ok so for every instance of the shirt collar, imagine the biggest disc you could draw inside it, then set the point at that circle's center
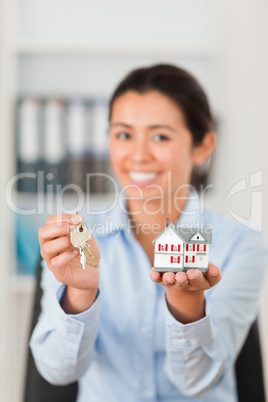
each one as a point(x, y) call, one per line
point(114, 218)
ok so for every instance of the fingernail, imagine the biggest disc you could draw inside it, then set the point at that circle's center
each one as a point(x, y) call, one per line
point(215, 273)
point(154, 276)
point(192, 275)
point(76, 252)
point(170, 278)
point(180, 278)
point(76, 219)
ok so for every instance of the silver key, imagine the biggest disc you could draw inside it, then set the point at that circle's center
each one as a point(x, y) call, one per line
point(83, 259)
point(79, 236)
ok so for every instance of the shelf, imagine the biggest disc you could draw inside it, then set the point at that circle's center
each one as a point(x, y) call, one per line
point(30, 200)
point(28, 46)
point(22, 283)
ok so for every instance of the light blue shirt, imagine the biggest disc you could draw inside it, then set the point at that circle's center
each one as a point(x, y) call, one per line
point(127, 346)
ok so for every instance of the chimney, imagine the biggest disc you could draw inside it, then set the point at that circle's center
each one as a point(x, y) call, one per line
point(167, 222)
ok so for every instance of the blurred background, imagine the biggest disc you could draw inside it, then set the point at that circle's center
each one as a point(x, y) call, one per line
point(59, 62)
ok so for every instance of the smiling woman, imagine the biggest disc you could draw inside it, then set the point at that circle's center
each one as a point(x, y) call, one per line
point(180, 87)
point(125, 331)
point(150, 143)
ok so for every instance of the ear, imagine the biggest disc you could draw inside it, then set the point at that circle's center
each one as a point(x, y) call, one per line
point(203, 151)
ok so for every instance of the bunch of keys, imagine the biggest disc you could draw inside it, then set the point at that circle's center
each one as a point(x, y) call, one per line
point(79, 236)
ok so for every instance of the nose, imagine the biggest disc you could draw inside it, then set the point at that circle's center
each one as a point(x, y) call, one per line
point(141, 151)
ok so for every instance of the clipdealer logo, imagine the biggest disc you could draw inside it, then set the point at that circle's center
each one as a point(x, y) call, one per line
point(255, 221)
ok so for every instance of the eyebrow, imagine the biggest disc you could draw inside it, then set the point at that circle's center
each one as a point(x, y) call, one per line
point(121, 125)
point(154, 126)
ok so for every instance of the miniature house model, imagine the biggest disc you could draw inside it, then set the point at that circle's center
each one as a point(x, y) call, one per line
point(179, 249)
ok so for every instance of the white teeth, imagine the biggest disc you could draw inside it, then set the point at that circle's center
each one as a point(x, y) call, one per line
point(140, 176)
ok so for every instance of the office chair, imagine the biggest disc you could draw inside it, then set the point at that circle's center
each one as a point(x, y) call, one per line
point(249, 374)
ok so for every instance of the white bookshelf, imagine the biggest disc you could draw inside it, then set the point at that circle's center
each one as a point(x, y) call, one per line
point(22, 284)
point(26, 46)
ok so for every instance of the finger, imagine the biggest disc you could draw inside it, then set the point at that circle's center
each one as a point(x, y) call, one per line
point(181, 280)
point(213, 274)
point(58, 263)
point(196, 279)
point(71, 221)
point(53, 231)
point(58, 219)
point(155, 275)
point(168, 278)
point(53, 247)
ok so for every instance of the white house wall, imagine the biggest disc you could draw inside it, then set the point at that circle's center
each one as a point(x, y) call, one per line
point(169, 237)
point(162, 260)
point(202, 263)
point(201, 259)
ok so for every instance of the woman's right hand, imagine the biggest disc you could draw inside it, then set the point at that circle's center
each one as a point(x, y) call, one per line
point(64, 261)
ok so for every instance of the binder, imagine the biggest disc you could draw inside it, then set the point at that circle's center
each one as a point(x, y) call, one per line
point(54, 151)
point(76, 144)
point(98, 134)
point(29, 161)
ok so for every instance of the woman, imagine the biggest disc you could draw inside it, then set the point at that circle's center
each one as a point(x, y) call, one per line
point(125, 331)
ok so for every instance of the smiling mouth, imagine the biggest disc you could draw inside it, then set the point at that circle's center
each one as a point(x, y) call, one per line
point(141, 177)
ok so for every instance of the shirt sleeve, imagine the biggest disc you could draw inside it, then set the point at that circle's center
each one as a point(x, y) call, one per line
point(62, 344)
point(201, 353)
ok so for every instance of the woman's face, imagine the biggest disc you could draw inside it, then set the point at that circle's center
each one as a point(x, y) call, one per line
point(151, 148)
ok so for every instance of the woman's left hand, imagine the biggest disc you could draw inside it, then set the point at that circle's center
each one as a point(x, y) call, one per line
point(185, 291)
point(192, 280)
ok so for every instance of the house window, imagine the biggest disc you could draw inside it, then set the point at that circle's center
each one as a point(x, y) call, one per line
point(201, 247)
point(190, 247)
point(175, 260)
point(162, 247)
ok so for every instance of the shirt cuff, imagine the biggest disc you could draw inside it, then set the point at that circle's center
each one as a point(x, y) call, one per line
point(72, 329)
point(192, 335)
point(84, 316)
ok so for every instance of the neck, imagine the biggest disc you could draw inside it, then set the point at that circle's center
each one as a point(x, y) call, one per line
point(147, 226)
point(149, 219)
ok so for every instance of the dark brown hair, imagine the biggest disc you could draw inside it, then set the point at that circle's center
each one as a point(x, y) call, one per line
point(178, 85)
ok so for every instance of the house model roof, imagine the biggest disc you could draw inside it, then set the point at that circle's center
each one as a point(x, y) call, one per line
point(190, 235)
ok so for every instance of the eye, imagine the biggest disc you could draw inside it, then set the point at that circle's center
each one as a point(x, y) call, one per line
point(123, 136)
point(160, 137)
